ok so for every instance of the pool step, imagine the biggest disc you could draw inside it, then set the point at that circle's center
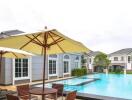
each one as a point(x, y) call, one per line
point(83, 83)
point(89, 81)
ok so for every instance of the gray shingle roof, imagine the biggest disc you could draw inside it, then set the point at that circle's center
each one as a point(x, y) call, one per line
point(94, 53)
point(122, 52)
point(5, 34)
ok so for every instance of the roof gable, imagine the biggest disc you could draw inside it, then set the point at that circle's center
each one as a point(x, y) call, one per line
point(125, 51)
point(8, 33)
point(94, 53)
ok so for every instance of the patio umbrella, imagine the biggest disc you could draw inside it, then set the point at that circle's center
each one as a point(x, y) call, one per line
point(12, 53)
point(43, 43)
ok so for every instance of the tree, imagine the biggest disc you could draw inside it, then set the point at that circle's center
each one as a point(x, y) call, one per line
point(101, 60)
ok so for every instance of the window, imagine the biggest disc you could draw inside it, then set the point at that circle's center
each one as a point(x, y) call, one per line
point(122, 58)
point(66, 66)
point(129, 59)
point(66, 62)
point(21, 68)
point(115, 58)
point(52, 66)
point(77, 62)
point(66, 57)
point(77, 58)
point(90, 60)
point(53, 56)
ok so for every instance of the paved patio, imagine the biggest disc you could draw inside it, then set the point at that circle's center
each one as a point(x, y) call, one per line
point(13, 87)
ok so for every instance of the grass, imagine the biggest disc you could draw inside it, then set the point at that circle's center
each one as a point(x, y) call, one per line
point(130, 72)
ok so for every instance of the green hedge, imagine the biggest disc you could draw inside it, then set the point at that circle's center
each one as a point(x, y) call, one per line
point(129, 72)
point(79, 72)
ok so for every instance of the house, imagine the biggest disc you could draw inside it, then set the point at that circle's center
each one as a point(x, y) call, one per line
point(121, 59)
point(15, 71)
point(90, 60)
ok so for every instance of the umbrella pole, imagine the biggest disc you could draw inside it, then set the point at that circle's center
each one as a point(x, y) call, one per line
point(44, 47)
point(43, 96)
point(0, 63)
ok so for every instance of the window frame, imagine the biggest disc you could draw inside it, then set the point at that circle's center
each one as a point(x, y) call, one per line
point(129, 59)
point(53, 59)
point(28, 66)
point(122, 58)
point(117, 58)
point(76, 61)
point(66, 60)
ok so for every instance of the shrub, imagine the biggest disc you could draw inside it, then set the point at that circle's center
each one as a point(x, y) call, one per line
point(129, 72)
point(79, 72)
point(118, 71)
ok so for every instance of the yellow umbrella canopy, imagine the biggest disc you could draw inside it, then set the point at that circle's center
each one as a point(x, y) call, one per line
point(56, 43)
point(13, 53)
point(43, 43)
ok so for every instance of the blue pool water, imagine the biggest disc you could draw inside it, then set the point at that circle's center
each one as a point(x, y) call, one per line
point(109, 85)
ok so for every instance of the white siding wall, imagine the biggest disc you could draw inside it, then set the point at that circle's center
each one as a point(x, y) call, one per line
point(8, 71)
point(37, 68)
point(119, 59)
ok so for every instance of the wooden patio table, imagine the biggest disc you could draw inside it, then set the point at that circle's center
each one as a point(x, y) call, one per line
point(39, 91)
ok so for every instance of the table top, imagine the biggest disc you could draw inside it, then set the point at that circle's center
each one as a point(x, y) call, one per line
point(39, 91)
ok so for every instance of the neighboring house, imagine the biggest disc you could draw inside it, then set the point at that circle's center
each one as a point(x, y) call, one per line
point(15, 71)
point(121, 59)
point(90, 60)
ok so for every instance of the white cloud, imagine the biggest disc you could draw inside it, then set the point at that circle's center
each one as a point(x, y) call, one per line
point(100, 24)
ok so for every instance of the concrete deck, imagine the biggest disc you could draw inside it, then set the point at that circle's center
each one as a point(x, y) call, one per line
point(13, 87)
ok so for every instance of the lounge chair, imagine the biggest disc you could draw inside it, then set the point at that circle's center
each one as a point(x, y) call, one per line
point(71, 95)
point(11, 97)
point(23, 92)
point(59, 88)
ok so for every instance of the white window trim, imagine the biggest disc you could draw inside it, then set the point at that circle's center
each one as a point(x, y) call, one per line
point(127, 59)
point(78, 63)
point(56, 59)
point(22, 78)
point(69, 69)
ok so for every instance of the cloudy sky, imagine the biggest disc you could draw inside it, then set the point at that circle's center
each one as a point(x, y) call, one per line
point(102, 25)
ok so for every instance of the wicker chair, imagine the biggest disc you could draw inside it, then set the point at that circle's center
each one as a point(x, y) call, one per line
point(11, 97)
point(23, 92)
point(71, 95)
point(59, 88)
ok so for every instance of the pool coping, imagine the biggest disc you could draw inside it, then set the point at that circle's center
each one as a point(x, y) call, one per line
point(87, 96)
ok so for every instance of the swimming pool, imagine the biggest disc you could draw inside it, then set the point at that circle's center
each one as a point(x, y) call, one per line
point(112, 85)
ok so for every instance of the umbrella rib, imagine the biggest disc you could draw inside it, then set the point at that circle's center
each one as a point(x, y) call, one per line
point(3, 52)
point(37, 40)
point(14, 54)
point(31, 39)
point(54, 34)
point(56, 43)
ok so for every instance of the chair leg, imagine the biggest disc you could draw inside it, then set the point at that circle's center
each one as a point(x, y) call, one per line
point(62, 96)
